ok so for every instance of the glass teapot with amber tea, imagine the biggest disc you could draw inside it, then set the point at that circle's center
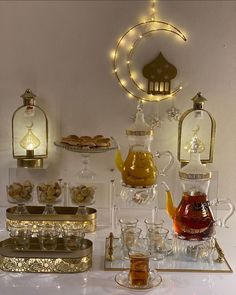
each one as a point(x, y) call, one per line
point(193, 219)
point(139, 168)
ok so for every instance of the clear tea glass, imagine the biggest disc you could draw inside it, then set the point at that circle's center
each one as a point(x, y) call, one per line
point(152, 223)
point(48, 235)
point(73, 237)
point(126, 222)
point(21, 236)
point(139, 268)
point(157, 242)
point(129, 236)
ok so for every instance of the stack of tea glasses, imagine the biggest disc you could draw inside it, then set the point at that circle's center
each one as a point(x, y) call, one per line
point(47, 236)
point(154, 239)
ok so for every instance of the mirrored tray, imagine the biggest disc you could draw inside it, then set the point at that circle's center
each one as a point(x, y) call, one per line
point(36, 260)
point(114, 261)
point(79, 149)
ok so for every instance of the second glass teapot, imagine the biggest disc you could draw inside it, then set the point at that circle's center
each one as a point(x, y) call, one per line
point(193, 219)
point(139, 168)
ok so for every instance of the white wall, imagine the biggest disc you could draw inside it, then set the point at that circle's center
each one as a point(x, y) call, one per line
point(60, 49)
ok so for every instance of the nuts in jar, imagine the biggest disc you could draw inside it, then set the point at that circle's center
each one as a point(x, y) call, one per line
point(20, 192)
point(82, 194)
point(49, 193)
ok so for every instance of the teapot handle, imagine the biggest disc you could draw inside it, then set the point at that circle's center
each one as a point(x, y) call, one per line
point(162, 172)
point(222, 221)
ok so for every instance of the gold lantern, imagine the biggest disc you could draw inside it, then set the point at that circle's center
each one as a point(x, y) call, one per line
point(196, 127)
point(29, 133)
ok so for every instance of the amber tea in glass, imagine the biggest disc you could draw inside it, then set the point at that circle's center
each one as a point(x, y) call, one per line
point(139, 268)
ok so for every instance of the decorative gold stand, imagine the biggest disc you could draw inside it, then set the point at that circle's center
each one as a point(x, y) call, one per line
point(64, 216)
point(40, 261)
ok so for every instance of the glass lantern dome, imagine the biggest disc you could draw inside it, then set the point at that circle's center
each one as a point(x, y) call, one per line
point(29, 133)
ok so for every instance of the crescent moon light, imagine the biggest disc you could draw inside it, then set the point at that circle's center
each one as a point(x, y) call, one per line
point(124, 48)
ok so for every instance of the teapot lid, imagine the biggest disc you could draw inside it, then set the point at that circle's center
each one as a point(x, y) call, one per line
point(195, 170)
point(139, 127)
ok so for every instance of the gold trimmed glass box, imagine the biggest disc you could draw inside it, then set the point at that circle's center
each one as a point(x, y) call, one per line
point(64, 216)
point(36, 260)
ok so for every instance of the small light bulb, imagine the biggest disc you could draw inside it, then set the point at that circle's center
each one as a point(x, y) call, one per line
point(122, 42)
point(132, 32)
point(30, 141)
point(142, 19)
point(123, 82)
point(140, 85)
point(133, 75)
point(112, 54)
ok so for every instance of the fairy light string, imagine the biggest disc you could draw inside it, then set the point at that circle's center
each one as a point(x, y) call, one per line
point(157, 26)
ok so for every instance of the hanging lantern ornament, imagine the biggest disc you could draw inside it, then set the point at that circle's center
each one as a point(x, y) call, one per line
point(29, 133)
point(152, 82)
point(196, 127)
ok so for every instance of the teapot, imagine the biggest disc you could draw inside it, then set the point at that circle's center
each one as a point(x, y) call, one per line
point(193, 219)
point(139, 169)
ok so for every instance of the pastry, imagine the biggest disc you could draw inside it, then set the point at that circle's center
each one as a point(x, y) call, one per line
point(98, 136)
point(86, 137)
point(49, 192)
point(21, 192)
point(86, 141)
point(103, 142)
point(82, 194)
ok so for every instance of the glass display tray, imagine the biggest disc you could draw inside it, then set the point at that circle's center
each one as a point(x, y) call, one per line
point(169, 264)
point(64, 215)
point(86, 150)
point(36, 260)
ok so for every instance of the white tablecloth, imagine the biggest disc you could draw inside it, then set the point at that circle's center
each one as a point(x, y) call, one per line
point(99, 282)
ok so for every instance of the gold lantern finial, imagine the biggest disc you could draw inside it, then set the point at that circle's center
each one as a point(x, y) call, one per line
point(198, 101)
point(28, 97)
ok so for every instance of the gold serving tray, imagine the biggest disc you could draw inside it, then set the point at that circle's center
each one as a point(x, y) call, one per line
point(114, 262)
point(36, 260)
point(64, 216)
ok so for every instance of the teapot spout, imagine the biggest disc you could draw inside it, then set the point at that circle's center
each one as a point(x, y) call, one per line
point(170, 208)
point(118, 160)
